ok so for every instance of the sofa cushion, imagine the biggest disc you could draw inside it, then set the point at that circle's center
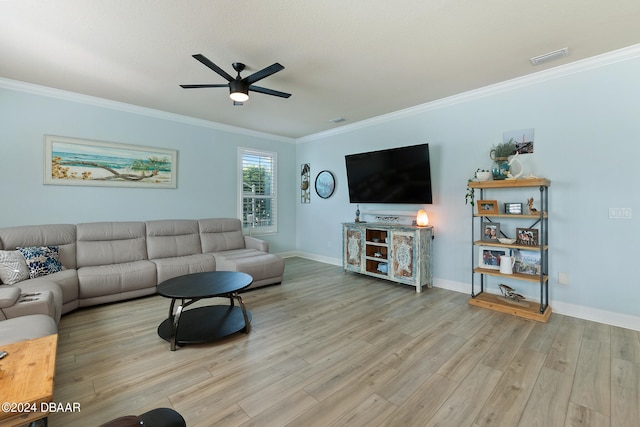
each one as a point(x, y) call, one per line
point(42, 260)
point(172, 238)
point(169, 268)
point(26, 328)
point(8, 296)
point(102, 243)
point(221, 234)
point(13, 267)
point(40, 302)
point(265, 268)
point(61, 235)
point(63, 286)
point(111, 279)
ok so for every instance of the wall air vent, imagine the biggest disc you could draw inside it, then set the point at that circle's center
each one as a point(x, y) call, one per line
point(551, 56)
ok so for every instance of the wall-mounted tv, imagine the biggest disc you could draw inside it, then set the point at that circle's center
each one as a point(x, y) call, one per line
point(396, 175)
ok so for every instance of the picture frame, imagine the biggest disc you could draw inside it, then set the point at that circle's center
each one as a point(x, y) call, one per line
point(527, 262)
point(527, 236)
point(487, 207)
point(513, 208)
point(489, 257)
point(75, 161)
point(490, 231)
point(325, 184)
point(305, 183)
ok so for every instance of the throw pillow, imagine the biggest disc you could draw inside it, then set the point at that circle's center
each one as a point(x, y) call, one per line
point(13, 267)
point(41, 260)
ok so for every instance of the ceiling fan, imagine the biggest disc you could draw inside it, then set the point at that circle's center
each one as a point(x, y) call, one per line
point(239, 87)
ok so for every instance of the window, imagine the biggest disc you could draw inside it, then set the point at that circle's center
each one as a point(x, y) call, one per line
point(258, 191)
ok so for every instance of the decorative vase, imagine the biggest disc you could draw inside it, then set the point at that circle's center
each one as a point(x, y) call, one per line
point(501, 168)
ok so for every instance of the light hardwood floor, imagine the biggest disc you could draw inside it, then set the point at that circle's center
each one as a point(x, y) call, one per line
point(329, 348)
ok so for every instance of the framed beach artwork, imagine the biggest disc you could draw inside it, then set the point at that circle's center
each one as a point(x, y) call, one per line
point(73, 161)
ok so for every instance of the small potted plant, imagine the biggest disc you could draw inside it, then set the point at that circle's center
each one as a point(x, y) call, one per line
point(500, 154)
point(483, 175)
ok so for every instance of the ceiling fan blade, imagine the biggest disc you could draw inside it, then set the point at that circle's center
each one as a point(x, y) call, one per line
point(265, 72)
point(213, 66)
point(201, 86)
point(269, 91)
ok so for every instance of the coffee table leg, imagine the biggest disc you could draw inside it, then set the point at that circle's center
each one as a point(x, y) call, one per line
point(174, 324)
point(247, 327)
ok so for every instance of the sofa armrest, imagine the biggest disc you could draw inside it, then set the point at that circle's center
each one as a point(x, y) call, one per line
point(9, 296)
point(252, 243)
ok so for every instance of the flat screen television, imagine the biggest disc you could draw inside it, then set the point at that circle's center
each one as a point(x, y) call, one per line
point(396, 175)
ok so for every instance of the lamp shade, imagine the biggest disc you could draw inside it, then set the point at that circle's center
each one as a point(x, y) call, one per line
point(422, 219)
point(238, 91)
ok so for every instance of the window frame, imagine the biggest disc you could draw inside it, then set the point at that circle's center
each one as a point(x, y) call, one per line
point(273, 212)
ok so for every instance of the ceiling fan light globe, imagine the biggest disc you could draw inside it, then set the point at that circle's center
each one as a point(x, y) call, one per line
point(239, 96)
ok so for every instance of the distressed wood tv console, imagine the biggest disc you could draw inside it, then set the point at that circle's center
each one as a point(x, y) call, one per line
point(399, 253)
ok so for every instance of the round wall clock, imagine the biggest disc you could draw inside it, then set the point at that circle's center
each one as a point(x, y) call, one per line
point(325, 184)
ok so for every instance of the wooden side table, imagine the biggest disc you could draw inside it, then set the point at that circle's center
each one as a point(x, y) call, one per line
point(26, 380)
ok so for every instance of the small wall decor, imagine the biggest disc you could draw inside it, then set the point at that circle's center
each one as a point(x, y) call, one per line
point(487, 207)
point(73, 161)
point(490, 231)
point(325, 184)
point(523, 139)
point(305, 183)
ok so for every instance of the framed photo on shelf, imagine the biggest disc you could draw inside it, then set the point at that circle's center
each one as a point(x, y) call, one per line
point(487, 207)
point(490, 231)
point(527, 262)
point(489, 257)
point(513, 208)
point(527, 236)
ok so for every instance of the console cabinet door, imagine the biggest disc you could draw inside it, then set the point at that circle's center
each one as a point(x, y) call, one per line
point(352, 253)
point(403, 257)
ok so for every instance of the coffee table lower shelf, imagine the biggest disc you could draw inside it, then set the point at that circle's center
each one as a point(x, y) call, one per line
point(205, 324)
point(526, 309)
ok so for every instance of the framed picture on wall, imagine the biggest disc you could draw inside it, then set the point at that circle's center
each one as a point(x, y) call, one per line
point(325, 184)
point(73, 161)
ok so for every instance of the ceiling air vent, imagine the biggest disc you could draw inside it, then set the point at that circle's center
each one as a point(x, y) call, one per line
point(551, 56)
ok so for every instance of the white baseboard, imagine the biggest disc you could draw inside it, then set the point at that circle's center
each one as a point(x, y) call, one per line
point(577, 311)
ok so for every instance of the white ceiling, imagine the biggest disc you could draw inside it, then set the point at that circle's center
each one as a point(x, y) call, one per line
point(355, 59)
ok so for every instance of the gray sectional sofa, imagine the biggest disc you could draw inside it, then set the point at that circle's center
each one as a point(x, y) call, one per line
point(113, 261)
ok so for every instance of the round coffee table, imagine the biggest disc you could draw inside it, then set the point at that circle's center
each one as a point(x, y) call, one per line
point(209, 323)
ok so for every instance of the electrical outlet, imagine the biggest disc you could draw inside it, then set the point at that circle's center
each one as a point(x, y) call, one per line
point(563, 278)
point(619, 213)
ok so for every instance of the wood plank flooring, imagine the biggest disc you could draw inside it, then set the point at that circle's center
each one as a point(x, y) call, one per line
point(335, 349)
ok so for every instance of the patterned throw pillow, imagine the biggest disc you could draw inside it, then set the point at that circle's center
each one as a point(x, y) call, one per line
point(41, 260)
point(13, 267)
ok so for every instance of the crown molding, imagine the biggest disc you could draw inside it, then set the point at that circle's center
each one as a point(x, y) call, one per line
point(609, 58)
point(133, 109)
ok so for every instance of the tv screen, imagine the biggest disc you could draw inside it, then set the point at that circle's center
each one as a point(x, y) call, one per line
point(395, 175)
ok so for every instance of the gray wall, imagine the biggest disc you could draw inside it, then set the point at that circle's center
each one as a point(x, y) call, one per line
point(586, 125)
point(207, 164)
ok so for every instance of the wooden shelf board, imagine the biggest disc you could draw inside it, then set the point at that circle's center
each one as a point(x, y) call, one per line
point(514, 246)
point(514, 216)
point(519, 276)
point(526, 309)
point(511, 183)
